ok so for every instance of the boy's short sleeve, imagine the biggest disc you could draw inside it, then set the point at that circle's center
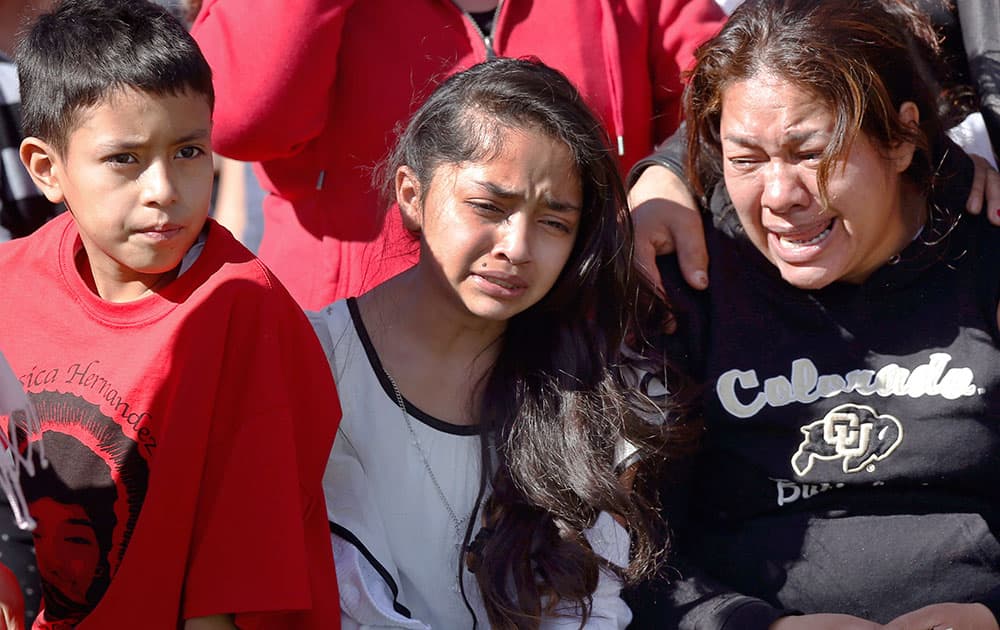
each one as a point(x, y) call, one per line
point(261, 546)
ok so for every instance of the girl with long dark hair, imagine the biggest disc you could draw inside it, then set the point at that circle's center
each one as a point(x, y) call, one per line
point(476, 474)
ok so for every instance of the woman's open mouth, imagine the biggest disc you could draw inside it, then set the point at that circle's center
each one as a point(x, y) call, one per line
point(808, 241)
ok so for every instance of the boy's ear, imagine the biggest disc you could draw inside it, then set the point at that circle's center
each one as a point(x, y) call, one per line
point(43, 164)
point(408, 198)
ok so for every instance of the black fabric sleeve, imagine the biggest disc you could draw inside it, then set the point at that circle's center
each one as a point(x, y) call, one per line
point(697, 603)
point(685, 596)
point(670, 154)
point(987, 263)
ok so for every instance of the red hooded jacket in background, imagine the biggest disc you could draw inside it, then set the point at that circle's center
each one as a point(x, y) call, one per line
point(314, 89)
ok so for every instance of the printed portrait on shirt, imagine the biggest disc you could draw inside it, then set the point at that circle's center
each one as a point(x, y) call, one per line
point(86, 501)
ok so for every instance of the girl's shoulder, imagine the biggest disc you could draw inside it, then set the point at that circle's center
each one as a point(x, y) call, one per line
point(335, 327)
point(330, 322)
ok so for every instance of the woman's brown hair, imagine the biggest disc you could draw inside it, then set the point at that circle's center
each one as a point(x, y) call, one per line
point(865, 58)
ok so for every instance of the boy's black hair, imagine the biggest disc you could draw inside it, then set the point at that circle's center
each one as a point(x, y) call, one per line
point(85, 50)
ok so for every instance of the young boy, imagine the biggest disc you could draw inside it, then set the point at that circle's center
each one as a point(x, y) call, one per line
point(187, 409)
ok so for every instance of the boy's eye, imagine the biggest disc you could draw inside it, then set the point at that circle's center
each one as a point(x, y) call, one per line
point(485, 207)
point(121, 158)
point(189, 152)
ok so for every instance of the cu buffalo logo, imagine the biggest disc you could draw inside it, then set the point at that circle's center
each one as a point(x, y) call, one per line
point(853, 433)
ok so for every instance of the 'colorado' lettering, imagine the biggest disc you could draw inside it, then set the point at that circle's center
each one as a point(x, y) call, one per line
point(742, 395)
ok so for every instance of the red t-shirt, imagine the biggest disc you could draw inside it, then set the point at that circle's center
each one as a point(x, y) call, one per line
point(187, 434)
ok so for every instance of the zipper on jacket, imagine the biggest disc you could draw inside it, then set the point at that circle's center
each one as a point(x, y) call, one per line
point(487, 39)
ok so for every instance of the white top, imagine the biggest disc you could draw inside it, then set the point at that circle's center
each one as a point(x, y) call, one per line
point(395, 544)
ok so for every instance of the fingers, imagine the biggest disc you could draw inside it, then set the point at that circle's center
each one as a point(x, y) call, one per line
point(667, 221)
point(993, 196)
point(946, 616)
point(974, 204)
point(645, 259)
point(985, 192)
point(824, 621)
point(915, 620)
point(692, 254)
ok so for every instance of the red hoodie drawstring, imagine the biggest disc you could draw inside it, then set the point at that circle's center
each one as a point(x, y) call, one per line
point(612, 70)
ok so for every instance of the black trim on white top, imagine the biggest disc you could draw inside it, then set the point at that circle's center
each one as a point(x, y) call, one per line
point(349, 536)
point(383, 378)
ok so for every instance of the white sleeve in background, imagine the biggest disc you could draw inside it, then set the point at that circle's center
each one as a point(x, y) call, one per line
point(728, 5)
point(971, 135)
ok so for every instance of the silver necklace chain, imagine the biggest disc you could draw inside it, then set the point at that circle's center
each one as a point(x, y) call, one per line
point(459, 523)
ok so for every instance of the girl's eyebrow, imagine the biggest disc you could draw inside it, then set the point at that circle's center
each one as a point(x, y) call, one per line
point(560, 206)
point(509, 193)
point(499, 191)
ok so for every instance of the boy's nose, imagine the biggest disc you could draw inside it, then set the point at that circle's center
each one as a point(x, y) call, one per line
point(158, 186)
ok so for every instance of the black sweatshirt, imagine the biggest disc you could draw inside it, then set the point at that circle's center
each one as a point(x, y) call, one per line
point(852, 449)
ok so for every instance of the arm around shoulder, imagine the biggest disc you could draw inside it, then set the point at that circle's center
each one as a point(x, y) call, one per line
point(666, 215)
